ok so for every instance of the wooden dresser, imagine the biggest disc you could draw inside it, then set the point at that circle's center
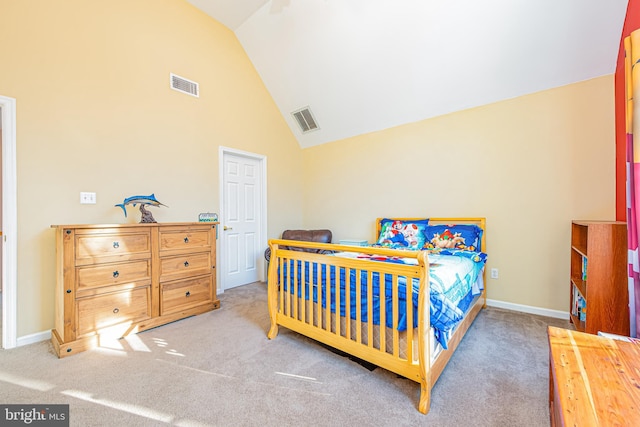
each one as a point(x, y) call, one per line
point(114, 280)
point(593, 380)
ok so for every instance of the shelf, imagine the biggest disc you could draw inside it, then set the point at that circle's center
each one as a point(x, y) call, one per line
point(579, 237)
point(581, 286)
point(579, 250)
point(577, 273)
point(579, 324)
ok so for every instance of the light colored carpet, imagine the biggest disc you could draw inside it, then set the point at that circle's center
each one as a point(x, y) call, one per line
point(219, 369)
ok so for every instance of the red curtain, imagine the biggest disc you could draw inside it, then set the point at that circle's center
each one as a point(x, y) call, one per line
point(632, 120)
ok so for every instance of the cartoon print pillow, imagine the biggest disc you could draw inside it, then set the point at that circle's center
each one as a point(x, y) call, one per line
point(398, 234)
point(461, 236)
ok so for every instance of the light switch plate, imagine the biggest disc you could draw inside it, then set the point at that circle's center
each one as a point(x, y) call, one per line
point(87, 198)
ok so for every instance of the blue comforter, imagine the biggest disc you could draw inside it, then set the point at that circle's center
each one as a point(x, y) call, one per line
point(453, 284)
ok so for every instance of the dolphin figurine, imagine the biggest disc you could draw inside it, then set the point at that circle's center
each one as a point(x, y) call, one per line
point(141, 200)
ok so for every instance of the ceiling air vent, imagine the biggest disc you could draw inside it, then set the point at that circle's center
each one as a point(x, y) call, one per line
point(184, 85)
point(305, 119)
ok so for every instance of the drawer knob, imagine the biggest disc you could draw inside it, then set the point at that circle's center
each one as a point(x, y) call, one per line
point(116, 245)
point(188, 294)
point(116, 310)
point(68, 291)
point(186, 263)
point(116, 273)
point(186, 240)
point(67, 231)
point(68, 350)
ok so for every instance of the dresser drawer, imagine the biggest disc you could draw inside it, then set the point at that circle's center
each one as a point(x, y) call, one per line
point(192, 238)
point(183, 266)
point(92, 248)
point(91, 279)
point(184, 294)
point(118, 308)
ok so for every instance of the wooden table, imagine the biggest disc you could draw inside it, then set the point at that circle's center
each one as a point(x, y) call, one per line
point(593, 380)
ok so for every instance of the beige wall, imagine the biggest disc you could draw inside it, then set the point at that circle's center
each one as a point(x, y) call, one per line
point(529, 165)
point(95, 113)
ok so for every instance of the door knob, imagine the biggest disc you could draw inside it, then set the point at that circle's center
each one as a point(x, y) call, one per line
point(228, 228)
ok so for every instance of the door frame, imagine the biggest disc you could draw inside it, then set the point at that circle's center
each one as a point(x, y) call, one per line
point(262, 209)
point(9, 223)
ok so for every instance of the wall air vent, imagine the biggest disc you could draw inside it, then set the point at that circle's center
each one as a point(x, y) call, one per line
point(305, 119)
point(184, 85)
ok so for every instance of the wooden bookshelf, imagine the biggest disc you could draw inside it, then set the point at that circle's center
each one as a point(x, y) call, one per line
point(599, 277)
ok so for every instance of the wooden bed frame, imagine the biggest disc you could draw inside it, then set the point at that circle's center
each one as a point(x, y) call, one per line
point(407, 353)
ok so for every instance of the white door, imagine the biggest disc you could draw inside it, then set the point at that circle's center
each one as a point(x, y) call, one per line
point(9, 220)
point(241, 218)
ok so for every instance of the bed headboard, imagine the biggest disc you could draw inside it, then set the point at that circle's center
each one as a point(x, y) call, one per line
point(480, 222)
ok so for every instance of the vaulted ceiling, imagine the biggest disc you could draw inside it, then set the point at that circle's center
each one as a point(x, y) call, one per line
point(367, 65)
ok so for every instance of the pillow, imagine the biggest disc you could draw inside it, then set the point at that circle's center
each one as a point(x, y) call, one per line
point(398, 234)
point(460, 236)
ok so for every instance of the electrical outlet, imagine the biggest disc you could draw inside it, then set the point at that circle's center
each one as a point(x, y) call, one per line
point(87, 198)
point(494, 273)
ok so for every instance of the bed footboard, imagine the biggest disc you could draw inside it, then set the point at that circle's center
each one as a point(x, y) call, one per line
point(357, 305)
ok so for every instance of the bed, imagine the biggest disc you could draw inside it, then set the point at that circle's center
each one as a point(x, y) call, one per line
point(403, 303)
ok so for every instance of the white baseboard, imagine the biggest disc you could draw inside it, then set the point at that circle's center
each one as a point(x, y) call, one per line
point(33, 338)
point(529, 309)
